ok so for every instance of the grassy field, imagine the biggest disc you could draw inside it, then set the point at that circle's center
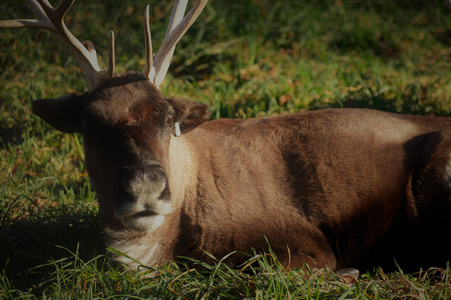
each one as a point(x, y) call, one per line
point(245, 58)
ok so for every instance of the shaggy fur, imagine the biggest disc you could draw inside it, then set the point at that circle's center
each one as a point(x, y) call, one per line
point(337, 188)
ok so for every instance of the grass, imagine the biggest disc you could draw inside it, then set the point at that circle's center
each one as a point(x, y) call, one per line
point(245, 59)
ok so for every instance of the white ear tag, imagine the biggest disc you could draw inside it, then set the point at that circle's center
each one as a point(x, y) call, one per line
point(178, 132)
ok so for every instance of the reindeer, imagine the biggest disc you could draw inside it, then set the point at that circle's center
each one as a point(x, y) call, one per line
point(335, 187)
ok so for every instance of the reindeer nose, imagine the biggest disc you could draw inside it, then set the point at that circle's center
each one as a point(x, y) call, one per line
point(153, 173)
point(151, 179)
point(148, 198)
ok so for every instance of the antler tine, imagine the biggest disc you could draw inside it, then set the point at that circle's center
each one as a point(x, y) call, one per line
point(164, 54)
point(25, 23)
point(39, 8)
point(62, 8)
point(42, 22)
point(177, 14)
point(52, 19)
point(147, 72)
point(178, 11)
point(111, 56)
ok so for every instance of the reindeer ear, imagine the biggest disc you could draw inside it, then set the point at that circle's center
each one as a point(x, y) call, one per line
point(63, 113)
point(189, 114)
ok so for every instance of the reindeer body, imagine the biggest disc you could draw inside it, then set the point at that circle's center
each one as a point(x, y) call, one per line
point(320, 188)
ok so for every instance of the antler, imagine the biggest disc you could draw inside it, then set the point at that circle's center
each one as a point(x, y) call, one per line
point(155, 70)
point(52, 19)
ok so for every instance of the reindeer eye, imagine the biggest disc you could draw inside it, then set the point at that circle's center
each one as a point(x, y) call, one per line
point(170, 119)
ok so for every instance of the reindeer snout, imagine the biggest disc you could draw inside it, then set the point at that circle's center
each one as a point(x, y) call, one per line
point(150, 196)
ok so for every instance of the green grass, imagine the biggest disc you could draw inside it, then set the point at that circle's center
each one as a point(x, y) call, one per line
point(245, 59)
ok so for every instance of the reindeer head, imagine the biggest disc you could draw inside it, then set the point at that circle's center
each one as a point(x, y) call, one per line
point(126, 122)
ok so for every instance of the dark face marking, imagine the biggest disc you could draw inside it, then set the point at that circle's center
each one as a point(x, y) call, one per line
point(127, 131)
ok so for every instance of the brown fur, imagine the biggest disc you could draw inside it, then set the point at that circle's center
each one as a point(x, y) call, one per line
point(337, 188)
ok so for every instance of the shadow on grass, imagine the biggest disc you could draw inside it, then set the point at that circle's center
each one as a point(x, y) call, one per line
point(414, 100)
point(9, 136)
point(399, 104)
point(30, 243)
